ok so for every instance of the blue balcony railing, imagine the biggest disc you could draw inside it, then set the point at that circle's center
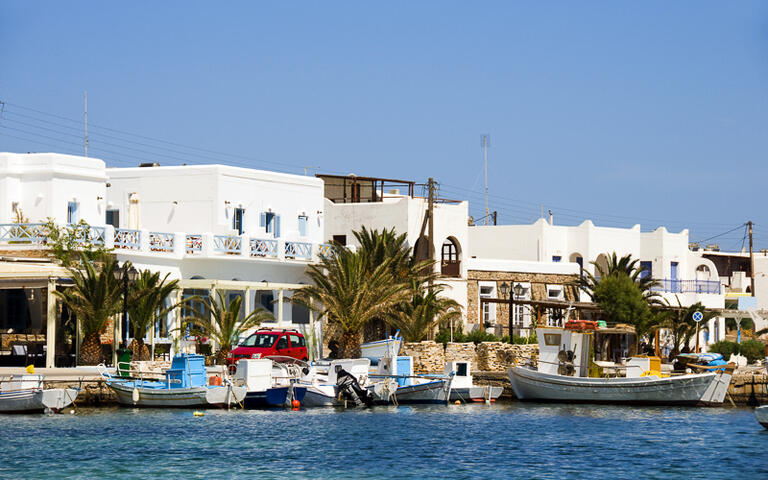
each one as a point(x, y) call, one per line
point(671, 285)
point(300, 250)
point(260, 247)
point(161, 241)
point(22, 233)
point(324, 249)
point(128, 239)
point(227, 244)
point(194, 244)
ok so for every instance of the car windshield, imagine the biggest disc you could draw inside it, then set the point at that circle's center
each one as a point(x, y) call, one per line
point(260, 340)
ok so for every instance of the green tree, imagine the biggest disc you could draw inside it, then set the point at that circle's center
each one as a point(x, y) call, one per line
point(94, 296)
point(417, 317)
point(71, 243)
point(622, 266)
point(147, 303)
point(349, 295)
point(377, 246)
point(220, 322)
point(622, 301)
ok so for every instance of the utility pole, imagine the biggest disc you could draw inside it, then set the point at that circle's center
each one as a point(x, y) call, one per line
point(431, 217)
point(86, 122)
point(495, 213)
point(751, 259)
point(485, 139)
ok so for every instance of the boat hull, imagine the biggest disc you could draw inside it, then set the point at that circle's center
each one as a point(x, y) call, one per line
point(178, 397)
point(273, 397)
point(761, 414)
point(321, 396)
point(435, 392)
point(696, 389)
point(476, 394)
point(37, 400)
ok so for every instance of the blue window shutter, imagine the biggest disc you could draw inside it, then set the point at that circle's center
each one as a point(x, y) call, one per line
point(277, 226)
point(303, 225)
point(263, 219)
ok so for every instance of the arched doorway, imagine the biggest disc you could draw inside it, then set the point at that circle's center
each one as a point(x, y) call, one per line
point(601, 263)
point(450, 258)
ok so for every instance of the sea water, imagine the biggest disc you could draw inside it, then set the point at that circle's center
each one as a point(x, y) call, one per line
point(512, 440)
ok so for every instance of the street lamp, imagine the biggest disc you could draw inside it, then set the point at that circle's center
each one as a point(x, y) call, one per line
point(127, 274)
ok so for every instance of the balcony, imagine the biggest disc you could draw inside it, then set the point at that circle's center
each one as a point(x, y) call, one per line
point(179, 245)
point(670, 285)
point(450, 268)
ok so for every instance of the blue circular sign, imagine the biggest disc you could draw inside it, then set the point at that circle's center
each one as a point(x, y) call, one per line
point(698, 316)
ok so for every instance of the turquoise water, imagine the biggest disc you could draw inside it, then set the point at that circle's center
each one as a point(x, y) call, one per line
point(513, 440)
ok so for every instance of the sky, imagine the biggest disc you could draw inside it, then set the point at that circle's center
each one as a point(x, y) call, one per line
point(620, 112)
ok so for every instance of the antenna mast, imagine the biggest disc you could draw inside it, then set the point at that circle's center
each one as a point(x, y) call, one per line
point(86, 123)
point(485, 141)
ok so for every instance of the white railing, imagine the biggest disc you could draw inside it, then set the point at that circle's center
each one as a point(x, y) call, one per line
point(127, 239)
point(301, 250)
point(263, 248)
point(161, 241)
point(227, 244)
point(22, 233)
point(324, 249)
point(194, 244)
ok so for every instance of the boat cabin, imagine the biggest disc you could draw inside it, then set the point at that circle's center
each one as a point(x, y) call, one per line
point(462, 374)
point(187, 371)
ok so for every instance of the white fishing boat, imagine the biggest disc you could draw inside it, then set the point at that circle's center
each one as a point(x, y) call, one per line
point(407, 388)
point(272, 381)
point(761, 414)
point(185, 385)
point(25, 394)
point(563, 375)
point(463, 388)
point(326, 384)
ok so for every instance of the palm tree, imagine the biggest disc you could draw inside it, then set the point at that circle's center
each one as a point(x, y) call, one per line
point(681, 324)
point(377, 246)
point(349, 295)
point(622, 266)
point(220, 322)
point(95, 296)
point(147, 304)
point(417, 317)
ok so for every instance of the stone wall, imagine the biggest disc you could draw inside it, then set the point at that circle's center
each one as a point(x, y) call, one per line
point(428, 356)
point(461, 352)
point(497, 356)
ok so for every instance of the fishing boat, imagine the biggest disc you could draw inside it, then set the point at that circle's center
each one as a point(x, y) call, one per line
point(25, 394)
point(407, 388)
point(338, 383)
point(373, 351)
point(761, 414)
point(566, 372)
point(185, 385)
point(271, 381)
point(464, 390)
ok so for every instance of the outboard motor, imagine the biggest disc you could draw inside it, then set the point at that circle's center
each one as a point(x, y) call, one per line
point(350, 389)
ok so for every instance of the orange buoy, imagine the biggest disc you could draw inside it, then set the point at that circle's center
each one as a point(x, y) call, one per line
point(215, 380)
point(295, 404)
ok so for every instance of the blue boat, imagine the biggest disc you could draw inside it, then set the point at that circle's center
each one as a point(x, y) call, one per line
point(185, 385)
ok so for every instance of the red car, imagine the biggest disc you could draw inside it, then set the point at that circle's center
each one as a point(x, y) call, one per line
point(270, 341)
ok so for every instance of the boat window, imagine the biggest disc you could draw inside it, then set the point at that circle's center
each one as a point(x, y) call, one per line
point(283, 342)
point(461, 369)
point(260, 340)
point(552, 339)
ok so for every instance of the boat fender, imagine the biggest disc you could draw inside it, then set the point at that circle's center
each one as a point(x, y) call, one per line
point(135, 395)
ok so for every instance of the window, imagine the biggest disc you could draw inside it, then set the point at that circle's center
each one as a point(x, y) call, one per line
point(237, 220)
point(271, 223)
point(450, 265)
point(261, 340)
point(283, 342)
point(73, 213)
point(340, 239)
point(113, 218)
point(266, 299)
point(556, 258)
point(299, 314)
point(296, 341)
point(646, 269)
point(552, 339)
point(555, 292)
point(488, 314)
point(303, 221)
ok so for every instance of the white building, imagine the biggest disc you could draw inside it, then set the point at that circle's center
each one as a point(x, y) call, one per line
point(352, 202)
point(215, 228)
point(682, 274)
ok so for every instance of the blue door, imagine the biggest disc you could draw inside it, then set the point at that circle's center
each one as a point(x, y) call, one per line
point(673, 277)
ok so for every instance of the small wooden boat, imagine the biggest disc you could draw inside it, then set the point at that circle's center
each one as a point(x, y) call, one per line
point(25, 394)
point(464, 390)
point(185, 385)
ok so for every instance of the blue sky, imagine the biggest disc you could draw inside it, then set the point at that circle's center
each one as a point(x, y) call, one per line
point(646, 112)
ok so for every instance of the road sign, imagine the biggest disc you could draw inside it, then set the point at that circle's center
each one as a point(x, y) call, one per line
point(698, 316)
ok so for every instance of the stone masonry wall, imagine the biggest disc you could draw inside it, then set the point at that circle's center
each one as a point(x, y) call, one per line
point(428, 356)
point(461, 352)
point(497, 356)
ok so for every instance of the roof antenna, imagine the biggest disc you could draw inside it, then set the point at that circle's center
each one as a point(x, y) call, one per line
point(85, 94)
point(485, 140)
